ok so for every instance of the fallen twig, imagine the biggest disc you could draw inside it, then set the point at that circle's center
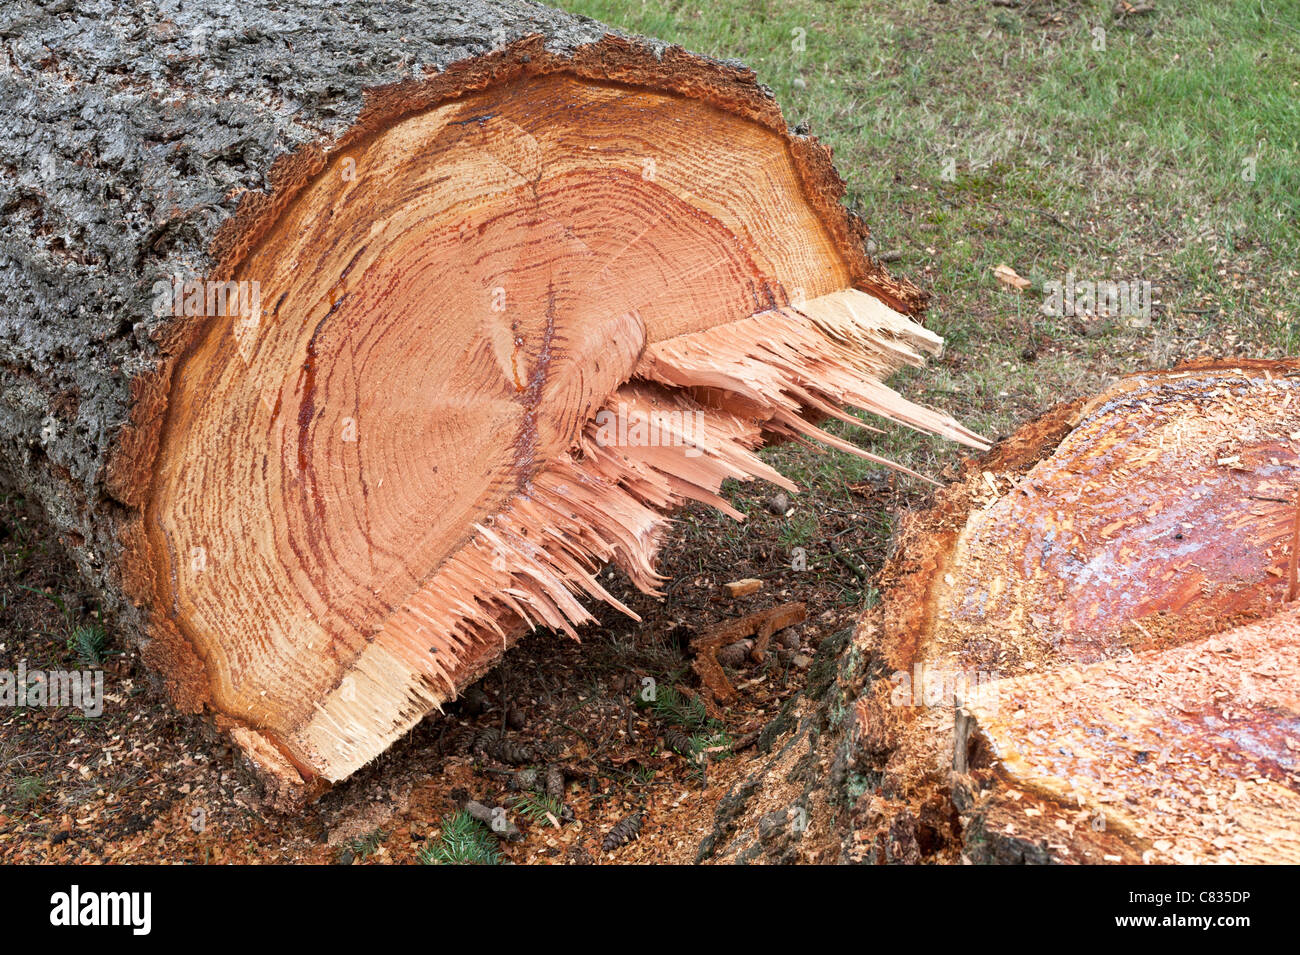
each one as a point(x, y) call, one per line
point(761, 625)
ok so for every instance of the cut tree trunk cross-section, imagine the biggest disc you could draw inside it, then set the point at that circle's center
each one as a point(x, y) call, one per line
point(387, 359)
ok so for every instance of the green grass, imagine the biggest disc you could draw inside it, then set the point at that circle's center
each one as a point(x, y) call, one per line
point(1122, 163)
point(799, 529)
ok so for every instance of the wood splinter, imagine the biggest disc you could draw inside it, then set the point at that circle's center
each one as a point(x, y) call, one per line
point(743, 587)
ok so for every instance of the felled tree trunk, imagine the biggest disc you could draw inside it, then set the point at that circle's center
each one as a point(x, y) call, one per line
point(343, 341)
point(1088, 648)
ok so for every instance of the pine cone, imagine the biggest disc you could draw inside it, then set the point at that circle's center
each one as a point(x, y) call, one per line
point(625, 830)
point(485, 741)
point(555, 783)
point(678, 742)
point(512, 752)
point(458, 741)
point(525, 780)
point(735, 654)
point(580, 856)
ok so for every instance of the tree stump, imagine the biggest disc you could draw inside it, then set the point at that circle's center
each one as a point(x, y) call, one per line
point(1090, 642)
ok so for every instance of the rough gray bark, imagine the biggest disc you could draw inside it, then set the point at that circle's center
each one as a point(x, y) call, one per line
point(128, 134)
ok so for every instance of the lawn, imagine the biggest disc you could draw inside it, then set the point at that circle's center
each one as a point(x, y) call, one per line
point(1060, 139)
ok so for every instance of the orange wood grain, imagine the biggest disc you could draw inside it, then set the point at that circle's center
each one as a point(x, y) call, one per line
point(365, 490)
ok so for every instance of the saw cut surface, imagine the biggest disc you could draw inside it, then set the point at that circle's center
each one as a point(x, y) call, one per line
point(365, 489)
point(1165, 515)
point(1190, 754)
point(1100, 623)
